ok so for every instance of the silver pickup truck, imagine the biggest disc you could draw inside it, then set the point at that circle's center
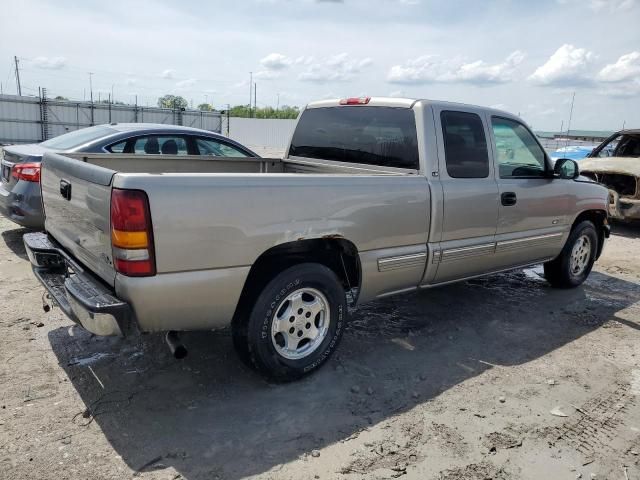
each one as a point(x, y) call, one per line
point(374, 196)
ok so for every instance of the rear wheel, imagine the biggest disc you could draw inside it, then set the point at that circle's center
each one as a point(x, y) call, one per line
point(573, 265)
point(295, 324)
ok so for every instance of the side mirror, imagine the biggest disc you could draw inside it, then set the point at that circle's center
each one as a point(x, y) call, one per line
point(566, 168)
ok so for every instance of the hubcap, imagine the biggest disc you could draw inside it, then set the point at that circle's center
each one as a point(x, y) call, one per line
point(300, 323)
point(580, 255)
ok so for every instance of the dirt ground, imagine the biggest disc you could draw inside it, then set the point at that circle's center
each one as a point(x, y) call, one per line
point(497, 378)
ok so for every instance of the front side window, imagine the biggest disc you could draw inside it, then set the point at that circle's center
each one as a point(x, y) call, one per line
point(465, 145)
point(519, 155)
point(383, 136)
point(207, 146)
point(608, 149)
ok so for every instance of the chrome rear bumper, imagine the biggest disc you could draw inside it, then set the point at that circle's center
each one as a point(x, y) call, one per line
point(82, 297)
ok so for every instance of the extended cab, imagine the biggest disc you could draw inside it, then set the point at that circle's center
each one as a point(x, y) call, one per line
point(374, 196)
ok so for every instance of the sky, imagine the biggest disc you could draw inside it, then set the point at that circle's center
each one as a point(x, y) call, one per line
point(526, 57)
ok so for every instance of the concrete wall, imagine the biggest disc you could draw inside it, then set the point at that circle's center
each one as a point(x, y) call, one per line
point(254, 132)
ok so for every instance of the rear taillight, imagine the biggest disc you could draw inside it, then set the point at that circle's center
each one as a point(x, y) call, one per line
point(131, 233)
point(28, 172)
point(355, 101)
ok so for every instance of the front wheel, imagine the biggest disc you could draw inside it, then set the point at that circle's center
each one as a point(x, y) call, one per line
point(573, 265)
point(296, 322)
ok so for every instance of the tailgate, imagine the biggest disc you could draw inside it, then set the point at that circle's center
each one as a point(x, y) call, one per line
point(76, 197)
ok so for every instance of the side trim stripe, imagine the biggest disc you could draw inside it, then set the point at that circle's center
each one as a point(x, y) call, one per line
point(401, 261)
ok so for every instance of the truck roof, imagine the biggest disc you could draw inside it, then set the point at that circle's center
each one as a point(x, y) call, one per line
point(405, 103)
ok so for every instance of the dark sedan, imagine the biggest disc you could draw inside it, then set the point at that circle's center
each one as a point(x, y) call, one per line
point(20, 167)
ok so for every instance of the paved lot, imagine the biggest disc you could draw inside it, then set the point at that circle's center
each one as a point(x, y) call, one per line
point(500, 378)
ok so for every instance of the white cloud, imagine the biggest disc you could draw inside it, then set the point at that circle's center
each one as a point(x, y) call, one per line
point(49, 63)
point(612, 5)
point(303, 60)
point(626, 68)
point(276, 61)
point(189, 82)
point(604, 5)
point(397, 93)
point(569, 65)
point(481, 72)
point(266, 75)
point(432, 69)
point(337, 68)
point(130, 82)
point(620, 90)
point(168, 74)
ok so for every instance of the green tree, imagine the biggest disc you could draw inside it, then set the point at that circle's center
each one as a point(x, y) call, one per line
point(60, 97)
point(205, 107)
point(266, 112)
point(172, 101)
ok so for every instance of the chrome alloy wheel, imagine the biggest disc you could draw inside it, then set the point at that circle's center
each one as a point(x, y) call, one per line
point(580, 255)
point(300, 323)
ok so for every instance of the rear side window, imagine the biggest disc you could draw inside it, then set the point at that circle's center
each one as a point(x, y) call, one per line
point(465, 145)
point(383, 136)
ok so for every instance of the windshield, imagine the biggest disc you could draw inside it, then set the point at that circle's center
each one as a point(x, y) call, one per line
point(77, 138)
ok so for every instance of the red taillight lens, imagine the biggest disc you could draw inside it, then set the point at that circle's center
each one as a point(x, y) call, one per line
point(355, 101)
point(131, 233)
point(28, 172)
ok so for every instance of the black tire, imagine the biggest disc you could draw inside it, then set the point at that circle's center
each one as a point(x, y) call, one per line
point(558, 271)
point(253, 337)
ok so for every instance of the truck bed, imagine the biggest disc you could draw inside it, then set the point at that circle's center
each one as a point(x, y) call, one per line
point(125, 163)
point(212, 218)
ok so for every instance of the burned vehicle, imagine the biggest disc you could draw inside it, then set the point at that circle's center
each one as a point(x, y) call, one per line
point(616, 164)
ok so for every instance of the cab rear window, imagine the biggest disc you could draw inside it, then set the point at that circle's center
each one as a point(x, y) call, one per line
point(382, 136)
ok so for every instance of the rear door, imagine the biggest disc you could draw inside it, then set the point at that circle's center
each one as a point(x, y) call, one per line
point(77, 200)
point(470, 195)
point(533, 206)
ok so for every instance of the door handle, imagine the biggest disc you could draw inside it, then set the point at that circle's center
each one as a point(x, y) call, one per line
point(65, 189)
point(508, 199)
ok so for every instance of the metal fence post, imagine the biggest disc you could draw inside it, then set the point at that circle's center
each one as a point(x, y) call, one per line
point(44, 116)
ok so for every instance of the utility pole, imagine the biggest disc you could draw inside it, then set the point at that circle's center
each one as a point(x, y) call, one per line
point(18, 86)
point(250, 91)
point(91, 96)
point(228, 117)
point(255, 98)
point(112, 98)
point(570, 116)
point(278, 106)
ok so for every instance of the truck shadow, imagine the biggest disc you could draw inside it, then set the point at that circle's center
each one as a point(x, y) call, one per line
point(209, 417)
point(626, 229)
point(13, 240)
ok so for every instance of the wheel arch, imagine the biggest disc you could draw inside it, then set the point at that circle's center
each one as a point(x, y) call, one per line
point(599, 219)
point(336, 253)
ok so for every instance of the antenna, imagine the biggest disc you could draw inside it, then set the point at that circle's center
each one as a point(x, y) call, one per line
point(18, 86)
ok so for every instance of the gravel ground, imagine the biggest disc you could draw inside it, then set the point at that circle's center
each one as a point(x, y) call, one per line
point(497, 378)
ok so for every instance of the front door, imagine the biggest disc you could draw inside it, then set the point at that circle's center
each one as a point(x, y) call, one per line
point(532, 206)
point(470, 195)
